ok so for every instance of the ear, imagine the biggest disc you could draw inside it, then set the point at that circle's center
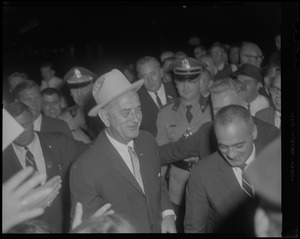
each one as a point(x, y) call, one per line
point(103, 114)
point(254, 132)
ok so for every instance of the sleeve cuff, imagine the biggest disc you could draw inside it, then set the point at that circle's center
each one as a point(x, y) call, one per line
point(169, 212)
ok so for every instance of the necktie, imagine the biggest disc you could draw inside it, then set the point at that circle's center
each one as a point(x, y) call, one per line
point(136, 167)
point(29, 159)
point(188, 114)
point(158, 100)
point(248, 105)
point(246, 185)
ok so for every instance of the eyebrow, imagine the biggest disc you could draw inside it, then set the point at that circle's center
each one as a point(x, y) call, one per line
point(243, 142)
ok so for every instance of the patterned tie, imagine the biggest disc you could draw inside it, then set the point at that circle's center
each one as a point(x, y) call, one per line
point(29, 159)
point(188, 114)
point(246, 185)
point(136, 167)
point(158, 100)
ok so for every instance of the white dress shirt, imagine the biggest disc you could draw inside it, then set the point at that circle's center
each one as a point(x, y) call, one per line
point(259, 103)
point(37, 123)
point(238, 171)
point(123, 151)
point(36, 150)
point(161, 94)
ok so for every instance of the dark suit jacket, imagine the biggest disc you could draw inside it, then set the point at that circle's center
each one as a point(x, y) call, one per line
point(55, 125)
point(213, 194)
point(223, 73)
point(59, 151)
point(204, 142)
point(150, 109)
point(101, 176)
point(267, 115)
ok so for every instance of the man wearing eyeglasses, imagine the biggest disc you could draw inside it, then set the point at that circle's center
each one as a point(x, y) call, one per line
point(218, 54)
point(251, 53)
point(272, 114)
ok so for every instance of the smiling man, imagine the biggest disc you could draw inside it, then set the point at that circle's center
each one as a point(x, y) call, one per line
point(122, 167)
point(216, 188)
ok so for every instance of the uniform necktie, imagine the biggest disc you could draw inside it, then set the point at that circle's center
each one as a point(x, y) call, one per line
point(246, 185)
point(188, 114)
point(248, 106)
point(29, 159)
point(136, 167)
point(158, 100)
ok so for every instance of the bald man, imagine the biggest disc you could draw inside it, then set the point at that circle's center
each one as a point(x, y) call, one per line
point(252, 54)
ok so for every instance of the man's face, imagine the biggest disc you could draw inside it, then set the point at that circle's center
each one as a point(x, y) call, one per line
point(25, 119)
point(188, 89)
point(234, 55)
point(82, 94)
point(210, 64)
point(217, 53)
point(152, 74)
point(252, 87)
point(125, 116)
point(275, 91)
point(235, 142)
point(32, 98)
point(47, 73)
point(251, 55)
point(229, 97)
point(51, 105)
point(204, 82)
point(199, 52)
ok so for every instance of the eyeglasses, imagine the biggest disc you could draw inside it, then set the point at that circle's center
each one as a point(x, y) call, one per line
point(275, 91)
point(256, 57)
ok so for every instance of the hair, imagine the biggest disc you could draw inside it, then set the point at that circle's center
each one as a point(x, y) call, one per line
point(226, 84)
point(105, 224)
point(228, 114)
point(15, 74)
point(28, 84)
point(47, 64)
point(32, 226)
point(17, 108)
point(145, 60)
point(50, 91)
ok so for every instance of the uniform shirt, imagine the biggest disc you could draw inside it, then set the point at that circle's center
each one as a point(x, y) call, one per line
point(259, 103)
point(238, 171)
point(161, 94)
point(36, 150)
point(123, 151)
point(37, 123)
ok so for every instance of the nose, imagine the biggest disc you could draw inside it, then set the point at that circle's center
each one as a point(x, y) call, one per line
point(135, 117)
point(231, 152)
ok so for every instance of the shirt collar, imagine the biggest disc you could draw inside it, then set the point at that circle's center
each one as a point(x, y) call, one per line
point(160, 91)
point(117, 144)
point(38, 123)
point(251, 157)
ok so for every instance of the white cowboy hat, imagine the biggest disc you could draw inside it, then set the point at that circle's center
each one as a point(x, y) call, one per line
point(110, 86)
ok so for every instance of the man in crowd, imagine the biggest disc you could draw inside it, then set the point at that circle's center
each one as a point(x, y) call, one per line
point(50, 80)
point(52, 107)
point(219, 199)
point(48, 153)
point(122, 166)
point(181, 119)
point(251, 77)
point(80, 82)
point(154, 94)
point(203, 142)
point(234, 57)
point(29, 93)
point(218, 53)
point(272, 115)
point(251, 53)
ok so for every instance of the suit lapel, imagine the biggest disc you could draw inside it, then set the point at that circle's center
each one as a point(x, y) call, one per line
point(230, 180)
point(115, 158)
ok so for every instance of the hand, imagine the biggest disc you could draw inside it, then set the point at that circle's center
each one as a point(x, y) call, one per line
point(79, 211)
point(54, 184)
point(16, 191)
point(168, 224)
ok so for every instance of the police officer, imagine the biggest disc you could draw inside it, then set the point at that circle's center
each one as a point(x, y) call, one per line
point(80, 82)
point(179, 120)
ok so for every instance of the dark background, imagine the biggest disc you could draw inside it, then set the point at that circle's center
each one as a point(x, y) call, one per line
point(115, 34)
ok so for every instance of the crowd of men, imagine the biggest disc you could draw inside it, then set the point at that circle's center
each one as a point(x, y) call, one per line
point(166, 145)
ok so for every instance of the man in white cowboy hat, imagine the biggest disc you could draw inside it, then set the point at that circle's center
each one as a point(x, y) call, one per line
point(122, 166)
